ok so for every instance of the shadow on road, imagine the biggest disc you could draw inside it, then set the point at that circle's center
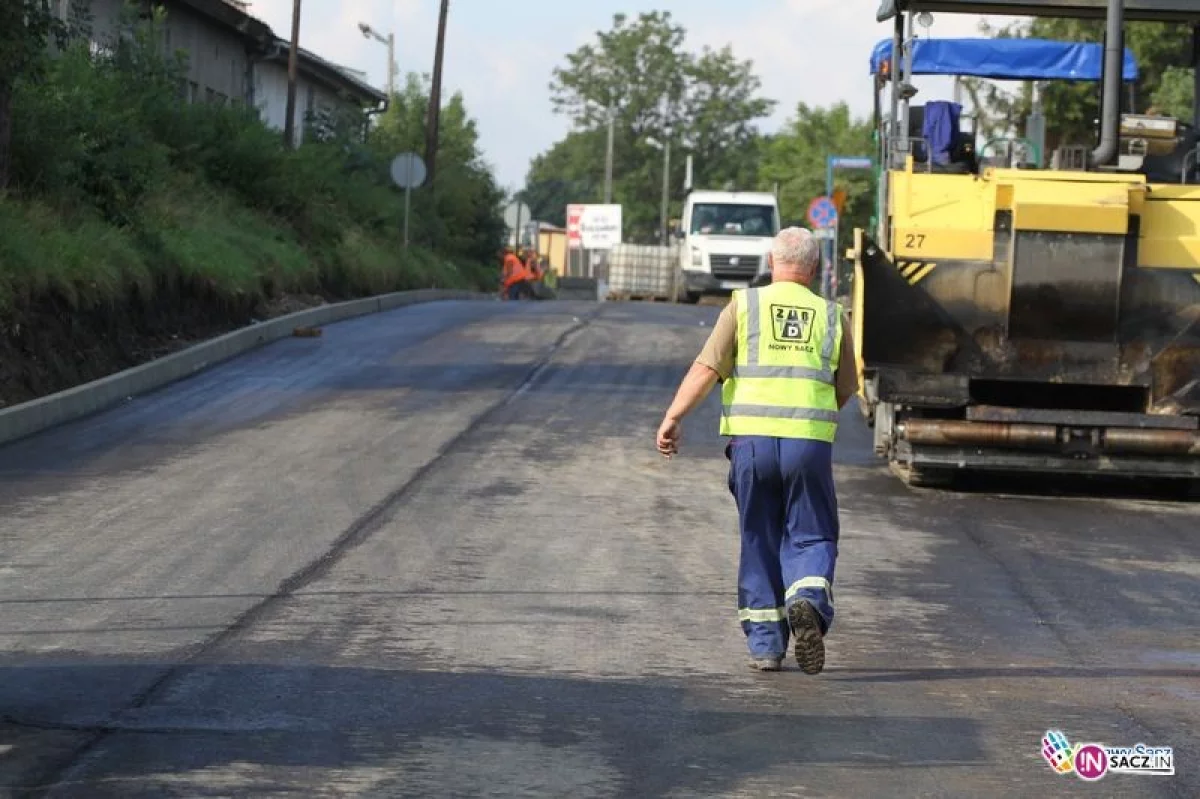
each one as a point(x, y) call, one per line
point(239, 728)
point(1007, 673)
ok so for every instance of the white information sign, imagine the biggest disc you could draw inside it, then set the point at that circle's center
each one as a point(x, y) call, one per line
point(594, 227)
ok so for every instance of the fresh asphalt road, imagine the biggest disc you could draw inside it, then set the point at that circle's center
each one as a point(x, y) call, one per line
point(434, 553)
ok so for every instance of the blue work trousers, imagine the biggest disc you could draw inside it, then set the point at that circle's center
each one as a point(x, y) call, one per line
point(787, 509)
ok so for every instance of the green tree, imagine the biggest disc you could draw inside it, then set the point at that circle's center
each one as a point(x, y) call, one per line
point(564, 174)
point(720, 108)
point(702, 103)
point(1071, 109)
point(796, 157)
point(462, 215)
point(1176, 93)
point(27, 29)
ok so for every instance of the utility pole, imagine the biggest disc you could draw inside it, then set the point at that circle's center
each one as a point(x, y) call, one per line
point(435, 96)
point(391, 84)
point(289, 125)
point(666, 198)
point(608, 158)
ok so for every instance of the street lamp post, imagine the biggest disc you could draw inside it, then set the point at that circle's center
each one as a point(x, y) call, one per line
point(664, 234)
point(390, 41)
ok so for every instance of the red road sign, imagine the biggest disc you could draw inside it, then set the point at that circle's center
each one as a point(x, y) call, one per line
point(574, 234)
point(822, 212)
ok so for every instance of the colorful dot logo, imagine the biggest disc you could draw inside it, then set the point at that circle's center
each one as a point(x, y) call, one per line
point(1091, 762)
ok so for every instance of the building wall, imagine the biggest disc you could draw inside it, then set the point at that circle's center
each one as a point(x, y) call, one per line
point(553, 244)
point(217, 60)
point(216, 56)
point(270, 96)
point(219, 68)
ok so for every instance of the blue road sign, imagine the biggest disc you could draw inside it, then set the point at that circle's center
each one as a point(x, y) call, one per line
point(850, 162)
point(822, 213)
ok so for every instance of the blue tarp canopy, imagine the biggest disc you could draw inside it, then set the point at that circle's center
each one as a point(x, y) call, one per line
point(1005, 59)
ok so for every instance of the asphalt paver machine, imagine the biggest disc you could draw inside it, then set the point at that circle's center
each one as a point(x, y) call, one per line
point(1036, 312)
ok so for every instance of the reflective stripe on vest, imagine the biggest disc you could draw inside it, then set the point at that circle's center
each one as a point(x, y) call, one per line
point(791, 394)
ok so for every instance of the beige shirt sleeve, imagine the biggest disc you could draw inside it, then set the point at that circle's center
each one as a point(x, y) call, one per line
point(846, 374)
point(719, 350)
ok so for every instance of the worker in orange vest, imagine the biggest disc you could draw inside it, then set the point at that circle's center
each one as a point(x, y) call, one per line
point(511, 274)
point(519, 278)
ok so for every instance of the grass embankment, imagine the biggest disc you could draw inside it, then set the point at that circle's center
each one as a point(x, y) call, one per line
point(137, 224)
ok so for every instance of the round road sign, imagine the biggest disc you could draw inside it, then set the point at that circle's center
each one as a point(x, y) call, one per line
point(408, 170)
point(822, 213)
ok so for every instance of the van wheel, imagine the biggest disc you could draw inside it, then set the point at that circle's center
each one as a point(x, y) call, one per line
point(693, 297)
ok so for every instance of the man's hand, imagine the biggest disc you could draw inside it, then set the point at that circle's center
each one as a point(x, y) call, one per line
point(668, 437)
point(695, 387)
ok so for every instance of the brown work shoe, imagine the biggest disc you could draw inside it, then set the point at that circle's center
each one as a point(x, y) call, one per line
point(810, 643)
point(766, 663)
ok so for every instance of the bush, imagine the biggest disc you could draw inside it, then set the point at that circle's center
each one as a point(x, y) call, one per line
point(120, 185)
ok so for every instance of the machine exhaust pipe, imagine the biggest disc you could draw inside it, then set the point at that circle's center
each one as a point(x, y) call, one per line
point(1118, 440)
point(1114, 66)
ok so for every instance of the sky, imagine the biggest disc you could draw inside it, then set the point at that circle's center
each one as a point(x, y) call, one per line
point(500, 54)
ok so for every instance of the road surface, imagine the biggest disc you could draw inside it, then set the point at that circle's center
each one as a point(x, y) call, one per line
point(433, 553)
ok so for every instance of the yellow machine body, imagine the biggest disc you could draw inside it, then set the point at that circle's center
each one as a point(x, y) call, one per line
point(1065, 299)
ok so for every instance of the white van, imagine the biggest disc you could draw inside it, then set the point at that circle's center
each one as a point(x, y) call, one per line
point(726, 236)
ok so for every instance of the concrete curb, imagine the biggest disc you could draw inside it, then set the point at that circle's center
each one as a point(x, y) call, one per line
point(40, 414)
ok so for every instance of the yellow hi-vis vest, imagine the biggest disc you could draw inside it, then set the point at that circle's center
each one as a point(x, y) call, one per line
point(782, 385)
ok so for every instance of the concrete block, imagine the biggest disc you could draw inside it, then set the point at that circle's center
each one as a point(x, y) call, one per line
point(578, 288)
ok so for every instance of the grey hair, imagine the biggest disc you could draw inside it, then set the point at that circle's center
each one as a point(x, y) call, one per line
point(796, 247)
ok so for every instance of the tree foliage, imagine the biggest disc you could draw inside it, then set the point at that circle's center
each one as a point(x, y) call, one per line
point(795, 159)
point(198, 193)
point(460, 214)
point(640, 70)
point(1164, 83)
point(27, 29)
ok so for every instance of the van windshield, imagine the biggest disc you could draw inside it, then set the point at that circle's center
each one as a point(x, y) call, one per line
point(733, 219)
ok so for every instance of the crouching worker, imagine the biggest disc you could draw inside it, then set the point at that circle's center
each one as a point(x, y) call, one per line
point(514, 277)
point(785, 359)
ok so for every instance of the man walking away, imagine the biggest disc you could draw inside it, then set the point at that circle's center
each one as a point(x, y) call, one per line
point(786, 361)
